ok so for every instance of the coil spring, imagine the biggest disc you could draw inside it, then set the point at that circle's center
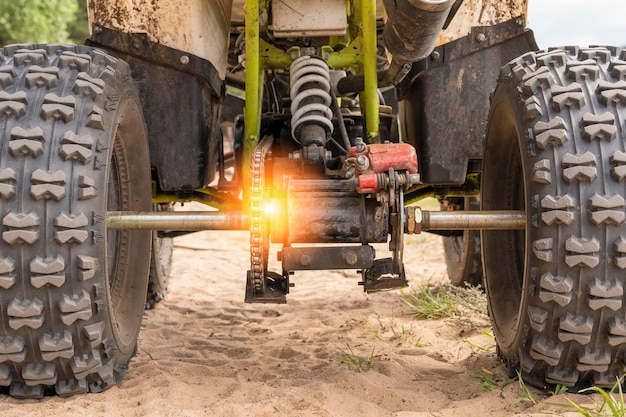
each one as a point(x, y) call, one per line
point(310, 94)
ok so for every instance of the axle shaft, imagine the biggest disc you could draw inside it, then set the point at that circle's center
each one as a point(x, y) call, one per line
point(478, 220)
point(217, 220)
point(179, 220)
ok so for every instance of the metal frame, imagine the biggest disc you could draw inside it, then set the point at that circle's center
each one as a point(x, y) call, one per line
point(360, 54)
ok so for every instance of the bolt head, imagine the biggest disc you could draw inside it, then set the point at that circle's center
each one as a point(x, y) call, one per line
point(304, 260)
point(351, 258)
point(363, 163)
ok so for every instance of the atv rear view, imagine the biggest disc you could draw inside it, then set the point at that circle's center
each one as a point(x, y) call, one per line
point(318, 125)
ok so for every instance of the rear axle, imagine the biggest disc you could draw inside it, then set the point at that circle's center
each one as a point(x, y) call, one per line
point(417, 220)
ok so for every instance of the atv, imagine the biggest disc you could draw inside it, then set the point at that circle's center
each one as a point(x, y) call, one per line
point(318, 125)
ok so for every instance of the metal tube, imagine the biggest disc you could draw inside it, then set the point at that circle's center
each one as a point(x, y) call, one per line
point(370, 94)
point(477, 220)
point(219, 220)
point(254, 89)
point(179, 220)
point(413, 27)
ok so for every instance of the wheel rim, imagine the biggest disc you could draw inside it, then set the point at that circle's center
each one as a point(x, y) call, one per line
point(504, 251)
point(114, 203)
point(461, 250)
point(122, 284)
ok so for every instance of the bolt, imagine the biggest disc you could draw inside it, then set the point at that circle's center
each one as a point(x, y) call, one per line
point(362, 163)
point(419, 220)
point(359, 144)
point(305, 260)
point(435, 55)
point(378, 214)
point(481, 37)
point(184, 60)
point(414, 179)
point(351, 258)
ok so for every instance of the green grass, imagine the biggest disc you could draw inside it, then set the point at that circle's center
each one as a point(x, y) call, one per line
point(526, 396)
point(484, 348)
point(486, 380)
point(428, 304)
point(559, 389)
point(612, 404)
point(446, 301)
point(354, 362)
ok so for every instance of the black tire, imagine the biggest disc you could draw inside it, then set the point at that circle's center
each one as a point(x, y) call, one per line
point(160, 263)
point(462, 252)
point(555, 147)
point(72, 292)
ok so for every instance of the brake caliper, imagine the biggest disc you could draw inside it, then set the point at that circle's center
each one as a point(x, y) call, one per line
point(387, 170)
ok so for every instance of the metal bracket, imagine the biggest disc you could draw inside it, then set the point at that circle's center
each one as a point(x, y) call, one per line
point(276, 289)
point(383, 276)
point(329, 257)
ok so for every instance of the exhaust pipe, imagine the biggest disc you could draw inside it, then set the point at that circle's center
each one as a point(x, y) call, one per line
point(413, 27)
point(410, 35)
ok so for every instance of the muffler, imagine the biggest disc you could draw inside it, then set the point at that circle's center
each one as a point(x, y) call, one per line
point(413, 27)
point(410, 34)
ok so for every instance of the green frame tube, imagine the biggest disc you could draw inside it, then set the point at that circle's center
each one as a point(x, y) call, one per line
point(369, 97)
point(360, 53)
point(254, 88)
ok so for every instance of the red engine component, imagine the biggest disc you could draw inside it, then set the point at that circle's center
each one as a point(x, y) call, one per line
point(380, 159)
point(383, 156)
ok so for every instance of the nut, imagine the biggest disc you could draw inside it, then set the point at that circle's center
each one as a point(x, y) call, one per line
point(362, 163)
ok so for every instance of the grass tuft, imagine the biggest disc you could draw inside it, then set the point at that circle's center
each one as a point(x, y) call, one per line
point(354, 362)
point(428, 304)
point(526, 396)
point(446, 301)
point(612, 404)
point(486, 379)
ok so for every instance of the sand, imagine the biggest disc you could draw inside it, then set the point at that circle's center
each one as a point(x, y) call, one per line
point(203, 352)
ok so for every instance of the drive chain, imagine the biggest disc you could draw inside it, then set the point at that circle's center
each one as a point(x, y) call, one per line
point(258, 235)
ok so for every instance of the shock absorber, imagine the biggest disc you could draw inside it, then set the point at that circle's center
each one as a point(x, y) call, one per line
point(311, 116)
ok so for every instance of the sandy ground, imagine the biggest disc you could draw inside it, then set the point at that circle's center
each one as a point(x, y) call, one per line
point(203, 352)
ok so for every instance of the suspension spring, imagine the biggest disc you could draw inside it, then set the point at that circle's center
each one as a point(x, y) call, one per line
point(311, 116)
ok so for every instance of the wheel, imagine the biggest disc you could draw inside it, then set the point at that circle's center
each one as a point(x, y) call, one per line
point(555, 148)
point(462, 252)
point(73, 147)
point(160, 263)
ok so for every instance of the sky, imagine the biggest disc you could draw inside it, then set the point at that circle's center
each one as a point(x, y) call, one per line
point(578, 22)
